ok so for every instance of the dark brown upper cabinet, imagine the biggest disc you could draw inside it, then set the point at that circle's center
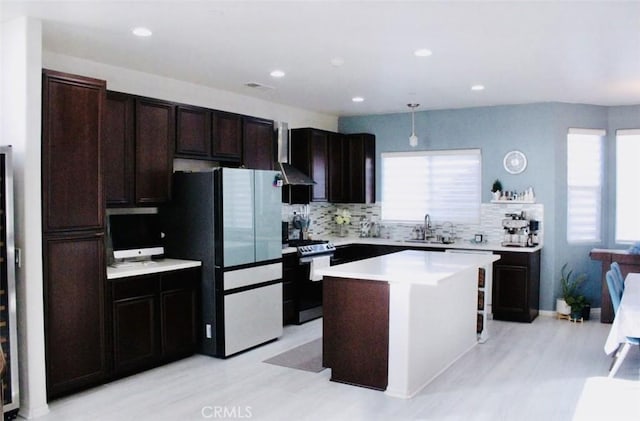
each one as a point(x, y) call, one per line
point(338, 167)
point(360, 169)
point(193, 135)
point(155, 134)
point(352, 168)
point(226, 142)
point(73, 196)
point(309, 153)
point(118, 149)
point(343, 166)
point(258, 143)
point(139, 135)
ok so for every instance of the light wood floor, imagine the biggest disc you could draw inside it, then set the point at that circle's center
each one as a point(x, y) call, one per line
point(548, 370)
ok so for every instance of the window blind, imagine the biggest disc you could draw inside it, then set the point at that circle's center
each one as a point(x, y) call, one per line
point(446, 184)
point(584, 185)
point(627, 203)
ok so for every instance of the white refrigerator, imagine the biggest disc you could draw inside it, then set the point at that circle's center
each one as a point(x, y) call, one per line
point(229, 219)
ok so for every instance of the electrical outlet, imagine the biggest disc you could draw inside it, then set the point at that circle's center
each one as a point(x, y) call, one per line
point(208, 328)
point(18, 255)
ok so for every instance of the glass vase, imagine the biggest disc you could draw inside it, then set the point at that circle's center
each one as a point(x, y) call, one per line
point(342, 230)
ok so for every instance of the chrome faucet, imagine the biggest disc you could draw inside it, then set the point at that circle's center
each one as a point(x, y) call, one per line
point(427, 227)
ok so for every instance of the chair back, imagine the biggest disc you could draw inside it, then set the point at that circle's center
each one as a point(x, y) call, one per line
point(615, 268)
point(614, 290)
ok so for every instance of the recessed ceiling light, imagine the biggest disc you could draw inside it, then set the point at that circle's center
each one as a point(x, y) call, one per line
point(277, 73)
point(422, 52)
point(357, 99)
point(477, 88)
point(337, 61)
point(141, 31)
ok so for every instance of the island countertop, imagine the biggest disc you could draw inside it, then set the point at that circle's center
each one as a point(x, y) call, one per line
point(410, 266)
point(394, 322)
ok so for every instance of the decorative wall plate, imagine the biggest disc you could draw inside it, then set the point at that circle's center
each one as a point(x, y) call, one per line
point(515, 162)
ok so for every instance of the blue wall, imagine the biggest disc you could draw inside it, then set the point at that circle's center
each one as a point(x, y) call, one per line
point(538, 130)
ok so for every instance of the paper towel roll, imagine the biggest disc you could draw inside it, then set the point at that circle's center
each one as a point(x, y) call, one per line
point(318, 263)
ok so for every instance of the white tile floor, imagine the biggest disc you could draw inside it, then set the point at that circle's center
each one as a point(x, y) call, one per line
point(548, 370)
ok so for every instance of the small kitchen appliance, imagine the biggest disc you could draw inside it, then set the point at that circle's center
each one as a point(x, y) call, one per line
point(534, 236)
point(516, 230)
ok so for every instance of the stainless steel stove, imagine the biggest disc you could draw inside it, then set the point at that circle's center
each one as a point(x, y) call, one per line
point(308, 293)
point(316, 249)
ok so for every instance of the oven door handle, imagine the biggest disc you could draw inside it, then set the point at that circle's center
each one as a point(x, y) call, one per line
point(307, 259)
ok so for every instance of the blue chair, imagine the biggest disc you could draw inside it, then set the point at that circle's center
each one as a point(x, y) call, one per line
point(617, 273)
point(615, 291)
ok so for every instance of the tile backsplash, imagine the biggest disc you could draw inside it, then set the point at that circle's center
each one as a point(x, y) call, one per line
point(323, 224)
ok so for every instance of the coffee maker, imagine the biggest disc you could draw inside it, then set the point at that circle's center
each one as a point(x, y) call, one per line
point(516, 230)
point(534, 237)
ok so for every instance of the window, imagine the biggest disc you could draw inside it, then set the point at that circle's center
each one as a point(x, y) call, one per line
point(445, 184)
point(584, 185)
point(627, 203)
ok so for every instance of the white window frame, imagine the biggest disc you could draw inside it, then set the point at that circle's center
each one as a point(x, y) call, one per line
point(585, 177)
point(411, 189)
point(627, 207)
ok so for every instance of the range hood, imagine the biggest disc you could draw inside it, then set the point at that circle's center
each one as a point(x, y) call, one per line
point(291, 175)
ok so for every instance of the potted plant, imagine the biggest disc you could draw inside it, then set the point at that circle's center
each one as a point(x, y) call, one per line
point(496, 189)
point(577, 304)
point(572, 301)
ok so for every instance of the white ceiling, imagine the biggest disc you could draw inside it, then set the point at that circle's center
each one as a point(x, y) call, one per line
point(522, 51)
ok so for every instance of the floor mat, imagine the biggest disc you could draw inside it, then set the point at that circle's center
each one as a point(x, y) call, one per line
point(307, 357)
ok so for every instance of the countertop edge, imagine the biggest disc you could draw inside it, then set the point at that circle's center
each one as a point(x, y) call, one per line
point(158, 266)
point(344, 241)
point(356, 270)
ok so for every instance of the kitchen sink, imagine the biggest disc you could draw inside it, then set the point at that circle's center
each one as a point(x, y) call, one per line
point(428, 241)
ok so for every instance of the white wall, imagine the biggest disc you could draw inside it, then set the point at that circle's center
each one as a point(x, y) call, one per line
point(146, 84)
point(20, 99)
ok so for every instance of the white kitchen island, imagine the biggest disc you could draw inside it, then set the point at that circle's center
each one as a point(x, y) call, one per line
point(396, 321)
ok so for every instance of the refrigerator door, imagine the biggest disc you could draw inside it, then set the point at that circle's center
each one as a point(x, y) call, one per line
point(268, 214)
point(238, 216)
point(252, 315)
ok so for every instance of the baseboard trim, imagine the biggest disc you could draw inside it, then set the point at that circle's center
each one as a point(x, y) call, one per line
point(30, 413)
point(595, 313)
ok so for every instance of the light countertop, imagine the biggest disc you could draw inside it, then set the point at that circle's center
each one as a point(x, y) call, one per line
point(460, 245)
point(149, 267)
point(410, 266)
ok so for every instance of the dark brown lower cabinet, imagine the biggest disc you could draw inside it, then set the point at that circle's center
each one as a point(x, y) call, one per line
point(516, 286)
point(134, 324)
point(355, 331)
point(179, 314)
point(154, 319)
point(74, 312)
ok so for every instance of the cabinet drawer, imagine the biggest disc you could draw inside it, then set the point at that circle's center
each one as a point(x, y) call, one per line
point(184, 279)
point(134, 287)
point(513, 259)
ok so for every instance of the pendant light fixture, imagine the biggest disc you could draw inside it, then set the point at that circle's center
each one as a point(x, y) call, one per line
point(413, 139)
